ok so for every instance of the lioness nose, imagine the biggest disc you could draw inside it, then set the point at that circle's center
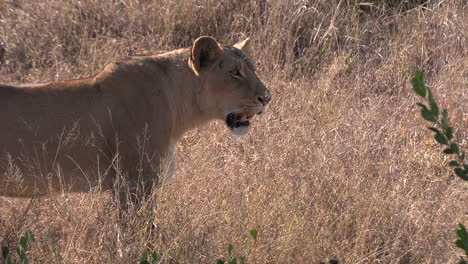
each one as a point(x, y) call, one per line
point(261, 100)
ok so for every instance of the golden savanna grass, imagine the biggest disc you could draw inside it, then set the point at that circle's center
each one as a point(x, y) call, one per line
point(340, 166)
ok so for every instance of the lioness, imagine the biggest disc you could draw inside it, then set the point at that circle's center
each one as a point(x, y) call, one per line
point(77, 135)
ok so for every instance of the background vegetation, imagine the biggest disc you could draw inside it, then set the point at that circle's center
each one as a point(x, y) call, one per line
point(338, 167)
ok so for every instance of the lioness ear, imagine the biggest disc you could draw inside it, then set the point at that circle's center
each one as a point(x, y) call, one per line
point(244, 46)
point(205, 52)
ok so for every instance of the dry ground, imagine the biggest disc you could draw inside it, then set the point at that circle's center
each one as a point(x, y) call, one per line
point(341, 165)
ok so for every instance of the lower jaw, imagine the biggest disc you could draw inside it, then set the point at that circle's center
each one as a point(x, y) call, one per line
point(240, 131)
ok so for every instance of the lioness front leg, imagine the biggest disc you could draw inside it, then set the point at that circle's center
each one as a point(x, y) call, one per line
point(133, 186)
point(132, 193)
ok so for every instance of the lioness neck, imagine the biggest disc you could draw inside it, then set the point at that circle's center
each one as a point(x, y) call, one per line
point(174, 87)
point(187, 86)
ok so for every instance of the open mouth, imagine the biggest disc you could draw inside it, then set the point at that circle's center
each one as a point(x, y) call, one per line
point(234, 120)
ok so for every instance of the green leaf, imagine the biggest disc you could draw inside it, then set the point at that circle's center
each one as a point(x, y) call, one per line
point(452, 149)
point(5, 252)
point(454, 164)
point(24, 259)
point(433, 104)
point(449, 151)
point(233, 261)
point(427, 114)
point(254, 234)
point(418, 84)
point(463, 174)
point(24, 242)
point(219, 261)
point(30, 236)
point(155, 257)
point(144, 259)
point(229, 250)
point(421, 105)
point(247, 246)
point(449, 132)
point(441, 139)
point(462, 241)
point(462, 261)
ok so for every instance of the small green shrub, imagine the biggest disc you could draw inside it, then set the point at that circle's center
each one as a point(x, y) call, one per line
point(462, 241)
point(232, 259)
point(150, 258)
point(443, 135)
point(21, 250)
point(153, 257)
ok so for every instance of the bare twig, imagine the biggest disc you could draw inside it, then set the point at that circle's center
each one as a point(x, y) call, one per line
point(2, 53)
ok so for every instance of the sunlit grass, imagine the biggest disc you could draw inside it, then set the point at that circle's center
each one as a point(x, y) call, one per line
point(339, 166)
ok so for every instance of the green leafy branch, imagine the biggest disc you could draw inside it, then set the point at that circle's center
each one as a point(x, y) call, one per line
point(443, 135)
point(442, 129)
point(25, 242)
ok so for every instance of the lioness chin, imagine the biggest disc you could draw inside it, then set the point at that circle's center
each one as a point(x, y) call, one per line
point(79, 135)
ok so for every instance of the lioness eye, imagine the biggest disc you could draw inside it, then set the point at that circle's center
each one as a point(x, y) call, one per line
point(236, 74)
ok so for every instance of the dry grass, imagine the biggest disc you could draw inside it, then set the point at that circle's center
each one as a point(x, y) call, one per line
point(340, 166)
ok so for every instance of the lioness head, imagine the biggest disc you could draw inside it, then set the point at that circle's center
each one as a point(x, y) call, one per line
point(231, 91)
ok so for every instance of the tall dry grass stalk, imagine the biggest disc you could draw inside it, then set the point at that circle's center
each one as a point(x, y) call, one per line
point(339, 166)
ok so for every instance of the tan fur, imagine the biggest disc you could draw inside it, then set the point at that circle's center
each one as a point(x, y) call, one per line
point(79, 135)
